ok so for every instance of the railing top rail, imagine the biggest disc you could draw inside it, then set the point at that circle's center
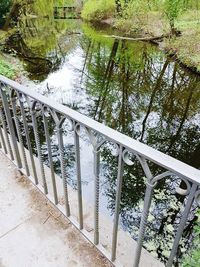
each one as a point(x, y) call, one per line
point(168, 162)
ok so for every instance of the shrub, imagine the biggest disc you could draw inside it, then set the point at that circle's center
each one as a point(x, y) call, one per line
point(95, 10)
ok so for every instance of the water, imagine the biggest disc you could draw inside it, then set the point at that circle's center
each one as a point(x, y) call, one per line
point(131, 87)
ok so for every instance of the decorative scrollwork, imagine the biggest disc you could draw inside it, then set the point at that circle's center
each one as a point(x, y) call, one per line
point(77, 128)
point(113, 147)
point(126, 157)
point(13, 94)
point(96, 139)
point(3, 86)
point(46, 111)
point(161, 176)
point(184, 192)
point(21, 97)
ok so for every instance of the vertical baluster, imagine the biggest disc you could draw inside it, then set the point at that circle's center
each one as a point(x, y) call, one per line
point(96, 197)
point(6, 134)
point(28, 141)
point(46, 129)
point(117, 203)
point(11, 127)
point(63, 168)
point(38, 146)
point(147, 203)
point(78, 173)
point(182, 225)
point(2, 138)
point(145, 213)
point(13, 102)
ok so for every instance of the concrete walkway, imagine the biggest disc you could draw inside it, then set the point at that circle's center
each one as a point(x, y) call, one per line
point(33, 233)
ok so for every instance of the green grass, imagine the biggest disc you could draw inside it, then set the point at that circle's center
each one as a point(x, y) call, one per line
point(6, 69)
point(186, 47)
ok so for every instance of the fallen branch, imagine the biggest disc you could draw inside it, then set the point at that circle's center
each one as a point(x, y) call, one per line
point(153, 38)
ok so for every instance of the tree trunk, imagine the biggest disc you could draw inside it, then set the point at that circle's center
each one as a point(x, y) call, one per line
point(12, 14)
point(118, 7)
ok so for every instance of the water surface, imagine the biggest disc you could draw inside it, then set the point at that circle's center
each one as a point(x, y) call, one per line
point(131, 87)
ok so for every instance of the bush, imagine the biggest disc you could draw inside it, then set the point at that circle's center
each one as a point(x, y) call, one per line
point(95, 10)
point(6, 69)
point(4, 7)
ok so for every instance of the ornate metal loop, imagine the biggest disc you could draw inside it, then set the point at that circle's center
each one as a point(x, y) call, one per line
point(3, 86)
point(13, 93)
point(115, 149)
point(161, 176)
point(58, 121)
point(35, 106)
point(96, 139)
point(126, 157)
point(71, 124)
point(46, 111)
point(184, 192)
point(21, 97)
point(29, 101)
point(91, 136)
point(77, 128)
point(145, 167)
point(197, 197)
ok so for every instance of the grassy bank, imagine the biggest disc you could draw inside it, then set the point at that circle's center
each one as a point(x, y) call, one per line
point(154, 21)
point(186, 47)
point(9, 66)
point(6, 68)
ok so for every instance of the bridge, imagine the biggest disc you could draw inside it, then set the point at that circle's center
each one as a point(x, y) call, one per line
point(22, 113)
point(66, 12)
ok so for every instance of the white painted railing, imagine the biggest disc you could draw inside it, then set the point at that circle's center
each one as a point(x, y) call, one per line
point(20, 105)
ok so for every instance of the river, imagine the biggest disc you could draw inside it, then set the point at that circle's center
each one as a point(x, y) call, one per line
point(132, 87)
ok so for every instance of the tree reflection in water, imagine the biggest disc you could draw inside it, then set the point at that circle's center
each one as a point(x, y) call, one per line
point(134, 88)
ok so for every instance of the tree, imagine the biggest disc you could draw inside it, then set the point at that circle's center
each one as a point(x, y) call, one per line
point(118, 6)
point(172, 10)
point(4, 8)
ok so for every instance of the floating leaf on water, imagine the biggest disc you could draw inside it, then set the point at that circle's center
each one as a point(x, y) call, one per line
point(170, 228)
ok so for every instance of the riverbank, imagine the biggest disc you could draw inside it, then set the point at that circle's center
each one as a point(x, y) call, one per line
point(154, 26)
point(10, 66)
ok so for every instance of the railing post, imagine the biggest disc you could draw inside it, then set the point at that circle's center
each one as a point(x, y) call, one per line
point(37, 140)
point(13, 101)
point(117, 203)
point(78, 174)
point(46, 130)
point(2, 117)
point(63, 167)
point(1, 133)
point(96, 194)
point(11, 127)
point(145, 213)
point(27, 135)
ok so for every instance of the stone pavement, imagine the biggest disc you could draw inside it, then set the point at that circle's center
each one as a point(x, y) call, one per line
point(33, 233)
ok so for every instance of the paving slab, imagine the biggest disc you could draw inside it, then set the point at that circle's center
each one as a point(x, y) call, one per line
point(33, 233)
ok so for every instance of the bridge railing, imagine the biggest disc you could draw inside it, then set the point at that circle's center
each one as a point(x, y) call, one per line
point(19, 109)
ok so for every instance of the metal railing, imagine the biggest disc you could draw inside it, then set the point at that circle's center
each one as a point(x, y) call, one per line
point(19, 108)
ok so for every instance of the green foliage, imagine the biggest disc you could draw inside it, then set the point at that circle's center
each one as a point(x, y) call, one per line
point(173, 8)
point(95, 10)
point(4, 7)
point(6, 69)
point(193, 259)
